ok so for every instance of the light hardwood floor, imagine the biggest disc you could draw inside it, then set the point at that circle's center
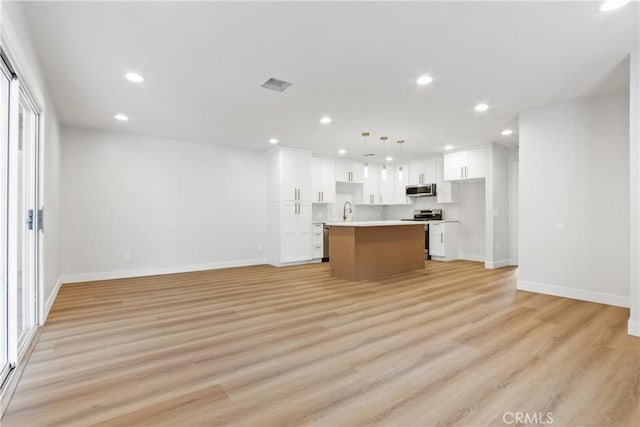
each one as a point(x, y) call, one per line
point(265, 346)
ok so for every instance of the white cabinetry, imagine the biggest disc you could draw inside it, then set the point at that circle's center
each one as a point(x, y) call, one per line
point(387, 187)
point(317, 241)
point(443, 241)
point(400, 185)
point(468, 164)
point(323, 180)
point(289, 207)
point(446, 191)
point(348, 171)
point(422, 171)
point(371, 187)
point(289, 175)
point(295, 231)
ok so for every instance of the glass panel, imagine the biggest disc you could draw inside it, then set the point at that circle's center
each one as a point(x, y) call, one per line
point(4, 145)
point(25, 204)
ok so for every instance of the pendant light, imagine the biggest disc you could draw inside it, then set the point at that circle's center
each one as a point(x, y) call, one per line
point(400, 171)
point(366, 163)
point(384, 156)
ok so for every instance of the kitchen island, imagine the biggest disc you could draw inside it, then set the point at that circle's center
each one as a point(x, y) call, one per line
point(372, 250)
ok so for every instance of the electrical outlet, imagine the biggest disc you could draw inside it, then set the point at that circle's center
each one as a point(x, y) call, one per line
point(126, 256)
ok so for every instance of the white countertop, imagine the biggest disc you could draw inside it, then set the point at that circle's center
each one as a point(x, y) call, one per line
point(371, 223)
point(380, 223)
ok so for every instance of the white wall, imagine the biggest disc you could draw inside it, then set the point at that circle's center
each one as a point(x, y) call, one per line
point(497, 207)
point(574, 199)
point(634, 191)
point(471, 231)
point(173, 205)
point(16, 40)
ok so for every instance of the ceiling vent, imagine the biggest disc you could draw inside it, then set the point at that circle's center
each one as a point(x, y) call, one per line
point(275, 84)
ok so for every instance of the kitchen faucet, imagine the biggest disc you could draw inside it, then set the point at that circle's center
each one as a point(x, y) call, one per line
point(344, 210)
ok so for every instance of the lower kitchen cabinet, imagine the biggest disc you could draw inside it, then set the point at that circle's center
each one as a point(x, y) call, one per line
point(443, 241)
point(290, 232)
point(317, 240)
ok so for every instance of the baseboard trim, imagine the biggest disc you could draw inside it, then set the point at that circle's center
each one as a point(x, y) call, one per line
point(573, 293)
point(497, 264)
point(633, 327)
point(142, 272)
point(49, 302)
point(470, 257)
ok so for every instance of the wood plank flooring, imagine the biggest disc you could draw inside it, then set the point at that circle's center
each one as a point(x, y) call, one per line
point(453, 344)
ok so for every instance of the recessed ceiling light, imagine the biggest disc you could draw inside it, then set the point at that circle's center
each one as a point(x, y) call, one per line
point(121, 117)
point(388, 159)
point(611, 5)
point(134, 77)
point(342, 151)
point(481, 107)
point(424, 80)
point(448, 147)
point(507, 132)
point(325, 120)
point(273, 141)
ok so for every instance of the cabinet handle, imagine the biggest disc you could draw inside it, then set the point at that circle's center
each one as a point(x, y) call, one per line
point(466, 172)
point(441, 238)
point(322, 193)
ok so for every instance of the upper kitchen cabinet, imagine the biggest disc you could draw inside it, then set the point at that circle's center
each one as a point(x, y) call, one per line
point(349, 171)
point(468, 164)
point(400, 185)
point(371, 187)
point(289, 175)
point(422, 171)
point(387, 186)
point(323, 180)
point(446, 191)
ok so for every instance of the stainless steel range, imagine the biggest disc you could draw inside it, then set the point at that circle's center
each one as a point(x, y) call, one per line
point(426, 215)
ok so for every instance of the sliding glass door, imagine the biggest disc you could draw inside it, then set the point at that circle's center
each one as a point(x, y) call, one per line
point(18, 220)
point(5, 81)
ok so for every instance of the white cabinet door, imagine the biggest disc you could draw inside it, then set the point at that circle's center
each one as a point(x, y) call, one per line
point(316, 179)
point(454, 164)
point(436, 240)
point(328, 187)
point(288, 231)
point(429, 170)
point(288, 174)
point(400, 185)
point(445, 190)
point(387, 187)
point(302, 167)
point(476, 163)
point(348, 171)
point(304, 232)
point(371, 188)
point(416, 172)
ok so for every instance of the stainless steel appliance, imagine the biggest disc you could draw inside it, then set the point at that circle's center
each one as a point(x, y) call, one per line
point(325, 241)
point(422, 190)
point(426, 215)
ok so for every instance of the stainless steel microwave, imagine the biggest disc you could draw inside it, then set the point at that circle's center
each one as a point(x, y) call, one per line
point(422, 190)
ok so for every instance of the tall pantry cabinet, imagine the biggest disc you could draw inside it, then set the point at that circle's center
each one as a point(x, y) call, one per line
point(288, 206)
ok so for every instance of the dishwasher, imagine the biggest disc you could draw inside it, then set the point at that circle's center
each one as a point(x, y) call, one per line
point(325, 243)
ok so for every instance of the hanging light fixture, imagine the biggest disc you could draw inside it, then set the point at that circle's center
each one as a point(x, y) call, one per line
point(366, 163)
point(384, 156)
point(400, 171)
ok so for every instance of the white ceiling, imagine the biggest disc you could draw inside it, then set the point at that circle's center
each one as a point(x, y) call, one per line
point(357, 62)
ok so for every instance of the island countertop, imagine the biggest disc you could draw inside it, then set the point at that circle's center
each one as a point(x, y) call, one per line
point(379, 223)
